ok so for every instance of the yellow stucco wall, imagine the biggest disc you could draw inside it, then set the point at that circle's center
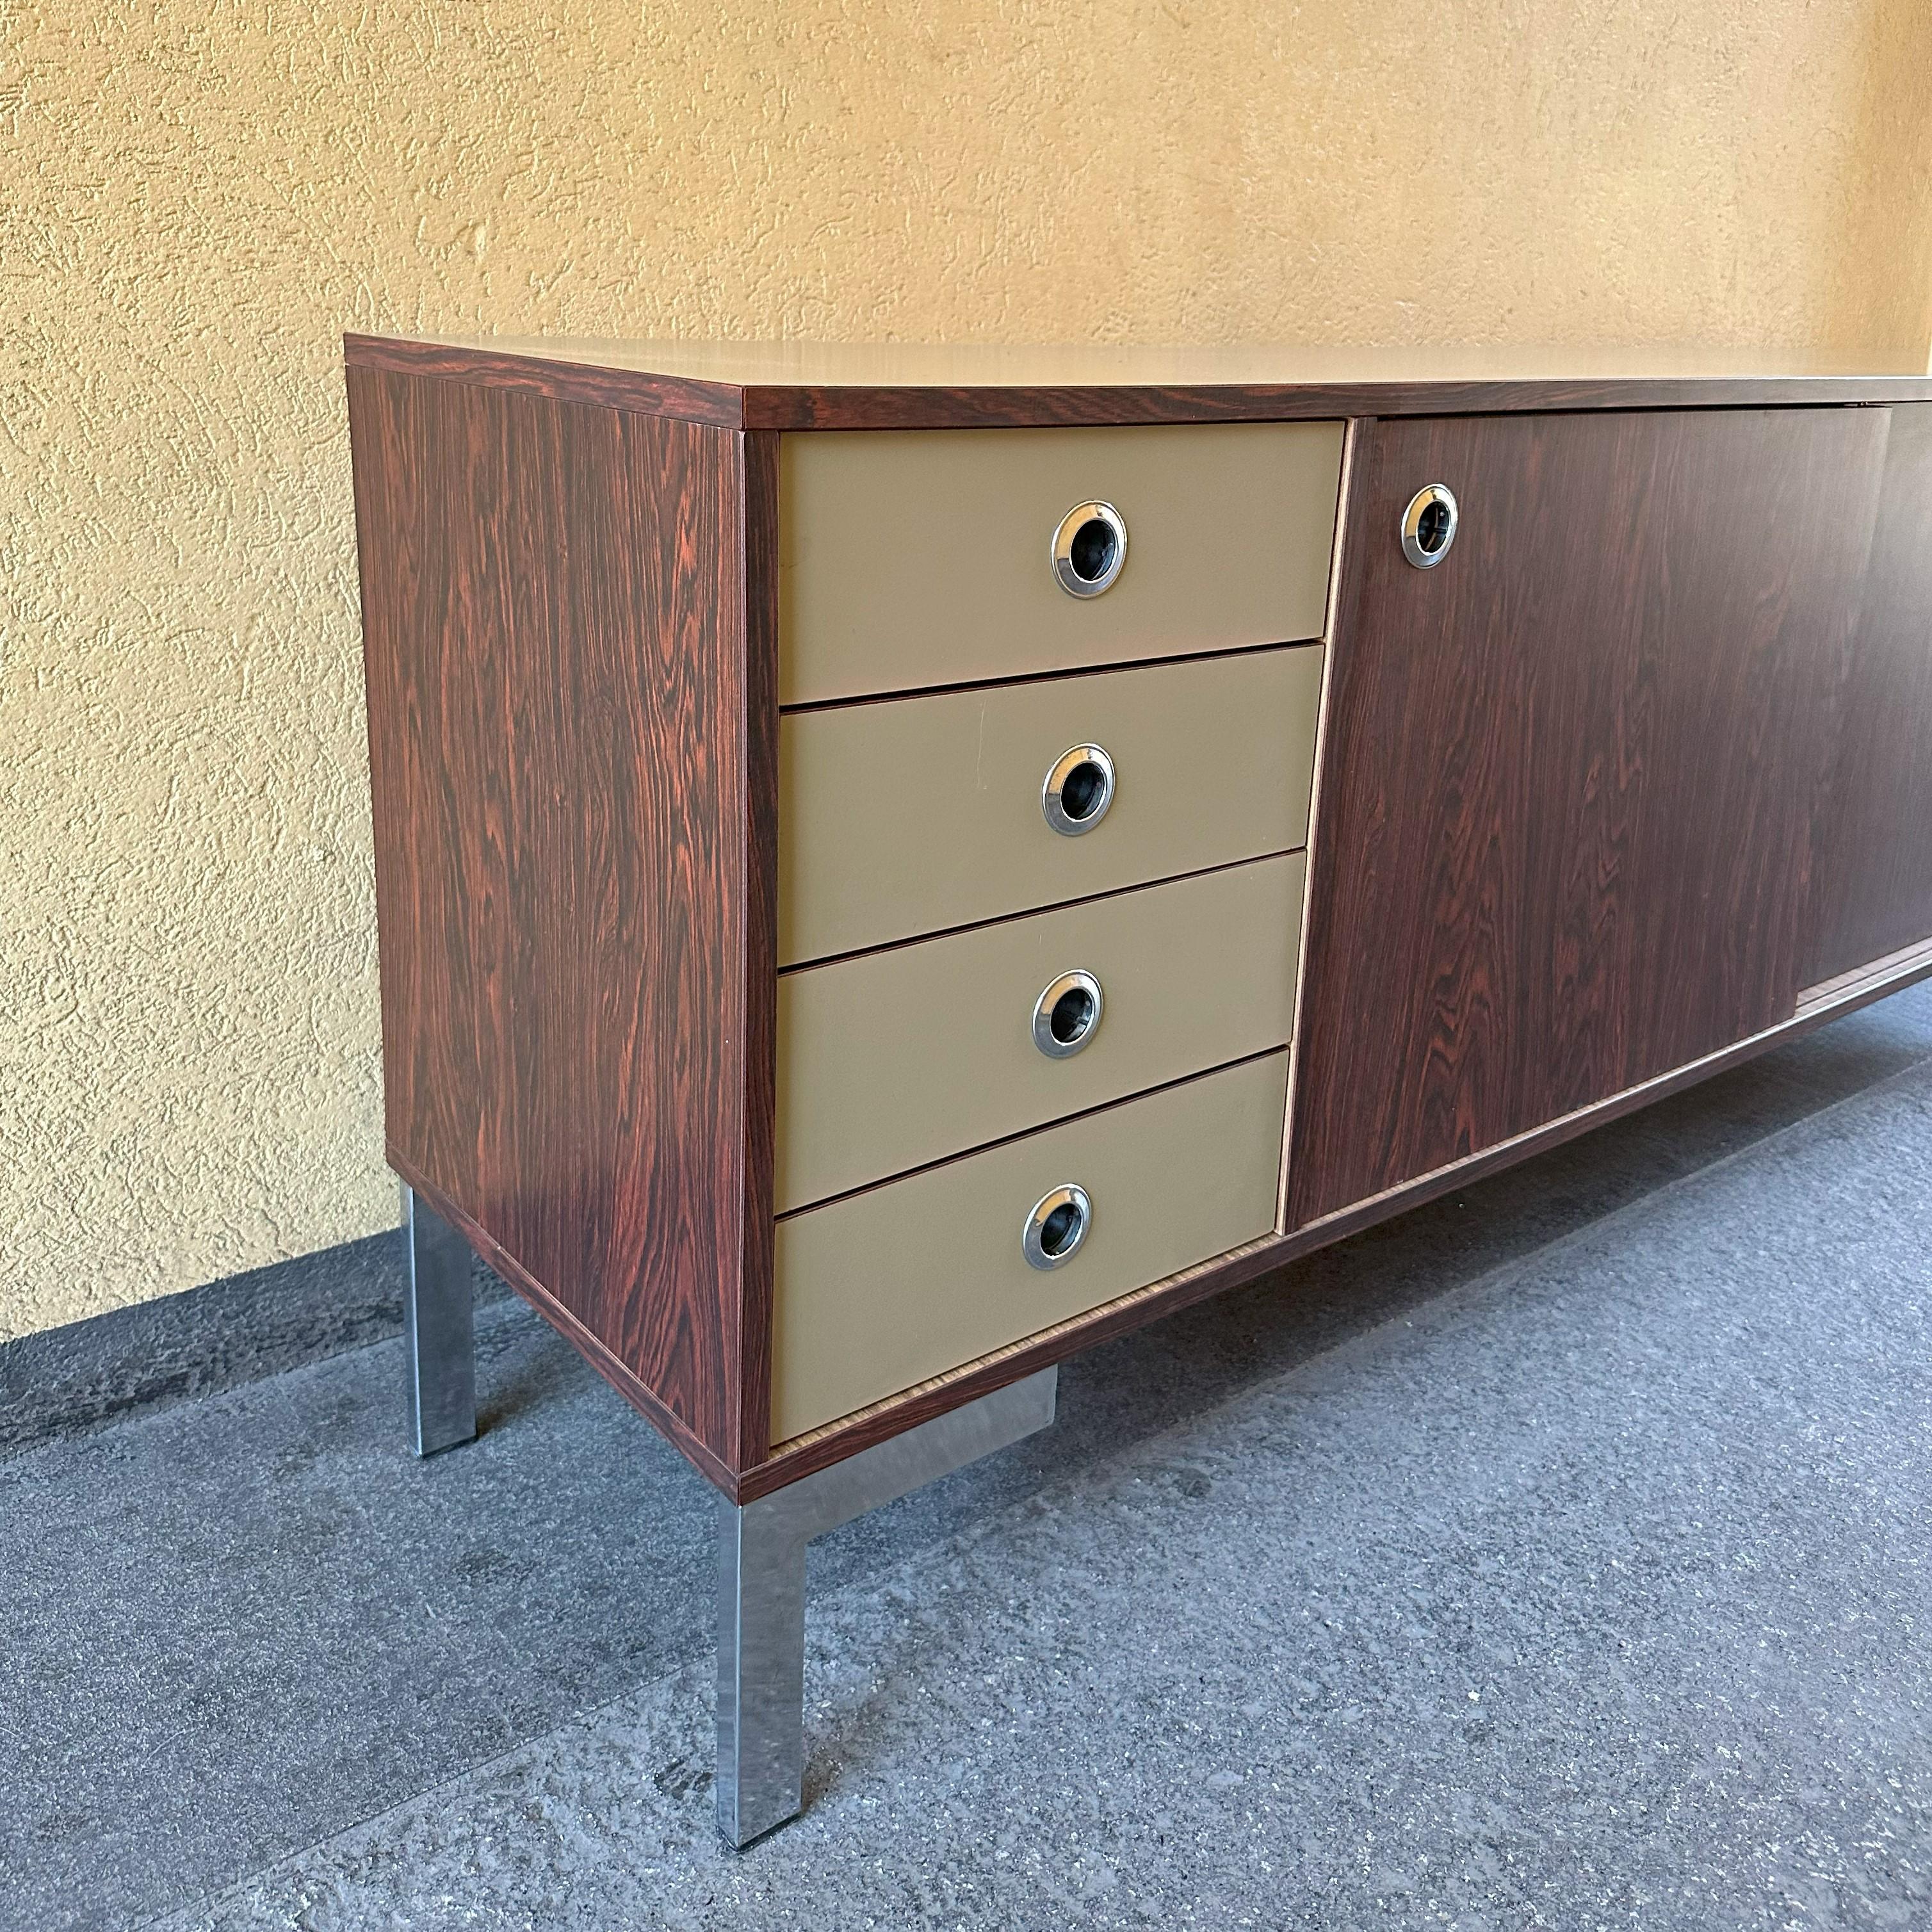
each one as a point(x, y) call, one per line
point(196, 198)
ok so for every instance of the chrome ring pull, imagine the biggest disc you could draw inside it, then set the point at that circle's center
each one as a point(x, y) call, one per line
point(1057, 1227)
point(1067, 1014)
point(1089, 545)
point(1078, 791)
point(1429, 526)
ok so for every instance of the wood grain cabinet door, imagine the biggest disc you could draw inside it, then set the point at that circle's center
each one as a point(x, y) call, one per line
point(1872, 874)
point(1563, 839)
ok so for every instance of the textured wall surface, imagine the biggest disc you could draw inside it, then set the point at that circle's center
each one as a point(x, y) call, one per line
point(196, 198)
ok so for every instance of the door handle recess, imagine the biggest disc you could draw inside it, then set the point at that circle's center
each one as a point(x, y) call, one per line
point(1057, 1227)
point(1089, 547)
point(1079, 789)
point(1067, 1016)
point(1428, 525)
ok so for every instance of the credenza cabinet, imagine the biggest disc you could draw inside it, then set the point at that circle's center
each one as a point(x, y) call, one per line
point(889, 870)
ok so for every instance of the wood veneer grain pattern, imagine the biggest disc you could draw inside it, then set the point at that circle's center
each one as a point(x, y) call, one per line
point(593, 1350)
point(557, 379)
point(572, 829)
point(1565, 834)
point(1872, 881)
point(804, 407)
point(1310, 384)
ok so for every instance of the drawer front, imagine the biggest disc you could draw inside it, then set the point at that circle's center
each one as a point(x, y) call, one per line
point(885, 1288)
point(925, 557)
point(902, 1057)
point(912, 817)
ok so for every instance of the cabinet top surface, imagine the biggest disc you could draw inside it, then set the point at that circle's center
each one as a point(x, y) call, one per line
point(907, 385)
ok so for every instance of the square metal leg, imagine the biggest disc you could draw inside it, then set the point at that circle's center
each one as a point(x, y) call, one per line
point(761, 1590)
point(440, 1328)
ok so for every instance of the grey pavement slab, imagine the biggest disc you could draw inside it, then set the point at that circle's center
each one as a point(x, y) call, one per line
point(1591, 1595)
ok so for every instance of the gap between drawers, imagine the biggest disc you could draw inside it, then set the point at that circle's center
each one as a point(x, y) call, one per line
point(1030, 912)
point(1040, 1127)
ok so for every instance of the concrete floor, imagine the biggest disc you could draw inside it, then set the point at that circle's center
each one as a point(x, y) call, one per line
point(1554, 1556)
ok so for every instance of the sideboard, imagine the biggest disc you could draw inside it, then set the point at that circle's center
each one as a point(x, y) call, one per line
point(893, 865)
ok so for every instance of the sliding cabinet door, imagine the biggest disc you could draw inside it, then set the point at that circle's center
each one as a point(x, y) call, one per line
point(1871, 885)
point(1570, 772)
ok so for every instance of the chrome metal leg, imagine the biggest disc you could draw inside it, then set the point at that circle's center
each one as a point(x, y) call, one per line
point(440, 1326)
point(761, 1590)
point(760, 1671)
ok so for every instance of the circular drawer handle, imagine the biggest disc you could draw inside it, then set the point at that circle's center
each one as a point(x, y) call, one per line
point(1089, 545)
point(1429, 526)
point(1057, 1227)
point(1078, 791)
point(1066, 1016)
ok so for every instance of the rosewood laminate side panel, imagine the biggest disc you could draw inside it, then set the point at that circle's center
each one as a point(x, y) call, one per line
point(554, 616)
point(558, 379)
point(1565, 833)
point(593, 1351)
point(1872, 879)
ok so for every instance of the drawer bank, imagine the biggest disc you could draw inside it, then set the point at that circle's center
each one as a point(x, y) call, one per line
point(895, 865)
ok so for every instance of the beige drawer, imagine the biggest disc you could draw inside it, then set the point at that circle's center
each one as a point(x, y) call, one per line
point(882, 1289)
point(912, 817)
point(896, 1059)
point(917, 558)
